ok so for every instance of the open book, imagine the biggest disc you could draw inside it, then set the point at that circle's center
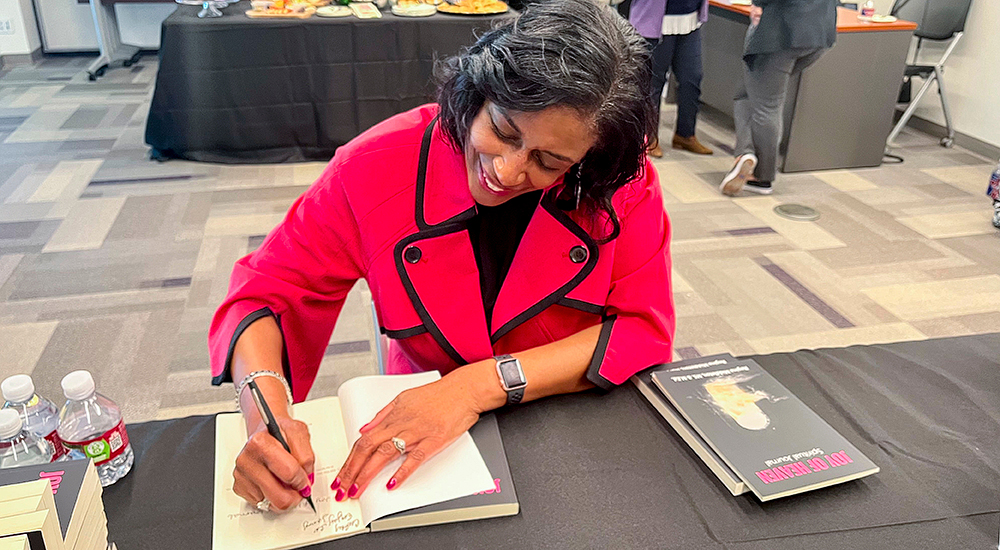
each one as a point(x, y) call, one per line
point(334, 424)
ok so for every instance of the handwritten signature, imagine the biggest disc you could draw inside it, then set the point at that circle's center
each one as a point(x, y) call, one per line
point(339, 523)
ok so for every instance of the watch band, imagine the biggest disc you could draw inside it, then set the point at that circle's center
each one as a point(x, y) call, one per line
point(515, 392)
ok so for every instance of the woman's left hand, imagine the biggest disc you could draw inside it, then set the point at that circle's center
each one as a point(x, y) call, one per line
point(426, 418)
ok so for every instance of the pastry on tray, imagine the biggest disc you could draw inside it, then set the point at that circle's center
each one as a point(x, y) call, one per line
point(473, 7)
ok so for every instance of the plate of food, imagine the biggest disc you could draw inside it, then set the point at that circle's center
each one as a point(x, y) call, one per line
point(473, 7)
point(413, 8)
point(334, 11)
point(282, 9)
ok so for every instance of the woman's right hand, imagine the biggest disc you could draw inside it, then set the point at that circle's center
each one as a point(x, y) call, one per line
point(265, 470)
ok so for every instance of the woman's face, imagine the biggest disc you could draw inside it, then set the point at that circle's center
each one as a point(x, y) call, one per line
point(510, 153)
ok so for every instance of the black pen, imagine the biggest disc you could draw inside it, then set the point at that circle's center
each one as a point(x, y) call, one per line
point(272, 426)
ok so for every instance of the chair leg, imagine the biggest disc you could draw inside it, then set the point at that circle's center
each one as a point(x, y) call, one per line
point(949, 139)
point(909, 112)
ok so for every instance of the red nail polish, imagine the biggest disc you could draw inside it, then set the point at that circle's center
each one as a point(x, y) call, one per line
point(391, 484)
point(306, 491)
point(312, 478)
point(335, 484)
point(339, 496)
point(353, 491)
point(365, 427)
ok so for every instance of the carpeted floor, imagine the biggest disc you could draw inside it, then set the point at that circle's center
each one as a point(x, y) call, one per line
point(115, 263)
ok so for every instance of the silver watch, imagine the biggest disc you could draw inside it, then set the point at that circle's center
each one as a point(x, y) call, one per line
point(511, 378)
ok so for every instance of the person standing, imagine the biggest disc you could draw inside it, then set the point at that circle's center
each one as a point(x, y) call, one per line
point(785, 37)
point(673, 30)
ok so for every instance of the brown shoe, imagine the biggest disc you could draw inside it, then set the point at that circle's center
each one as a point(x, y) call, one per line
point(655, 151)
point(691, 144)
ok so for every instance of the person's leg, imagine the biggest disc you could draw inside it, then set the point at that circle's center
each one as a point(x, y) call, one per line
point(767, 84)
point(688, 73)
point(661, 59)
point(742, 111)
point(662, 51)
point(745, 161)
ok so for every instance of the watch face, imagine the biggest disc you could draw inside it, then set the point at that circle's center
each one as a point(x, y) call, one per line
point(512, 376)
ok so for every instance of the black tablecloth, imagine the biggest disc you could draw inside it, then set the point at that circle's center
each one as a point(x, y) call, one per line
point(596, 471)
point(241, 90)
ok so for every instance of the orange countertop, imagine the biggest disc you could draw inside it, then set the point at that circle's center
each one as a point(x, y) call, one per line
point(847, 20)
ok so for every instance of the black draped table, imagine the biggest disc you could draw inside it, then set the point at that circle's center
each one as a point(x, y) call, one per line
point(595, 471)
point(240, 90)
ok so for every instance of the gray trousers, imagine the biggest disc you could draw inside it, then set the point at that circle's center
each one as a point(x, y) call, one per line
point(760, 98)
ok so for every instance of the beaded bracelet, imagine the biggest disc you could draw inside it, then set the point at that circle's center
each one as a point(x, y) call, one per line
point(246, 380)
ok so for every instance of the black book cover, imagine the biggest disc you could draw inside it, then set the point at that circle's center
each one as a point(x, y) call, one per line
point(486, 434)
point(770, 438)
point(644, 382)
point(66, 479)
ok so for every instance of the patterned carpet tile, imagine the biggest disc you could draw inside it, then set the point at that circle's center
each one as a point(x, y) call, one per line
point(115, 263)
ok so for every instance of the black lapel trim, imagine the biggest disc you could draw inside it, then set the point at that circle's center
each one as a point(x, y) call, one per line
point(227, 374)
point(425, 149)
point(548, 203)
point(582, 306)
point(594, 370)
point(286, 365)
point(429, 324)
point(404, 333)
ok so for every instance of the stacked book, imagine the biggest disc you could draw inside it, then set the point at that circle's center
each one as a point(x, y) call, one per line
point(750, 431)
point(53, 506)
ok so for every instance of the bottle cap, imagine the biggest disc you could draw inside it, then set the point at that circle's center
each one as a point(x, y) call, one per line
point(78, 385)
point(18, 388)
point(10, 423)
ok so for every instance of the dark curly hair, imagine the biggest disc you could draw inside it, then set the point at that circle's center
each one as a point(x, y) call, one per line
point(571, 53)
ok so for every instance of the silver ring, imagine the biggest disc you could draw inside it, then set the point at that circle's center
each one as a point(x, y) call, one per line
point(399, 444)
point(264, 505)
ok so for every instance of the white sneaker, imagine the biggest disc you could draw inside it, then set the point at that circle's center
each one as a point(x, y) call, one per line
point(737, 177)
point(996, 214)
point(759, 187)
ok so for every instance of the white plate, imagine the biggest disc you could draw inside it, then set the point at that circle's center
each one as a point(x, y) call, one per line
point(416, 10)
point(334, 11)
point(883, 19)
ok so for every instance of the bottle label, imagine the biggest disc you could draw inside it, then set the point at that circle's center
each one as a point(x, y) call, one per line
point(57, 445)
point(105, 447)
point(993, 189)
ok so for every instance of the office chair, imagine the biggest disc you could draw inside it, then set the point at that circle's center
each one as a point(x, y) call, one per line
point(939, 20)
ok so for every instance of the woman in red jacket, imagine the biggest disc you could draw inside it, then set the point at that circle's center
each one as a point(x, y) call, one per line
point(513, 235)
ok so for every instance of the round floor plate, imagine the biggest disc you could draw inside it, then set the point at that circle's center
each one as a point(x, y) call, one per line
point(796, 212)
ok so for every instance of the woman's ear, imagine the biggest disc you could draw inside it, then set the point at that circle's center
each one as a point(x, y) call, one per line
point(569, 196)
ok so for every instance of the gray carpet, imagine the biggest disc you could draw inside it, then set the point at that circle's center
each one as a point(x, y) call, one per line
point(115, 263)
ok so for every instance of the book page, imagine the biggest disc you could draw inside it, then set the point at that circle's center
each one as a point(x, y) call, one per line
point(457, 471)
point(239, 526)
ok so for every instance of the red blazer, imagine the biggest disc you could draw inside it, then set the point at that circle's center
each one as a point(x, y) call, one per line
point(380, 213)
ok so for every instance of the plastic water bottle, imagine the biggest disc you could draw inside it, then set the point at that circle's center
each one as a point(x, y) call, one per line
point(993, 188)
point(866, 11)
point(18, 447)
point(993, 192)
point(92, 424)
point(39, 416)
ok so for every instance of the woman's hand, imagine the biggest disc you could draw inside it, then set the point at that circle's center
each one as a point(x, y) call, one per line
point(265, 470)
point(755, 13)
point(427, 418)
